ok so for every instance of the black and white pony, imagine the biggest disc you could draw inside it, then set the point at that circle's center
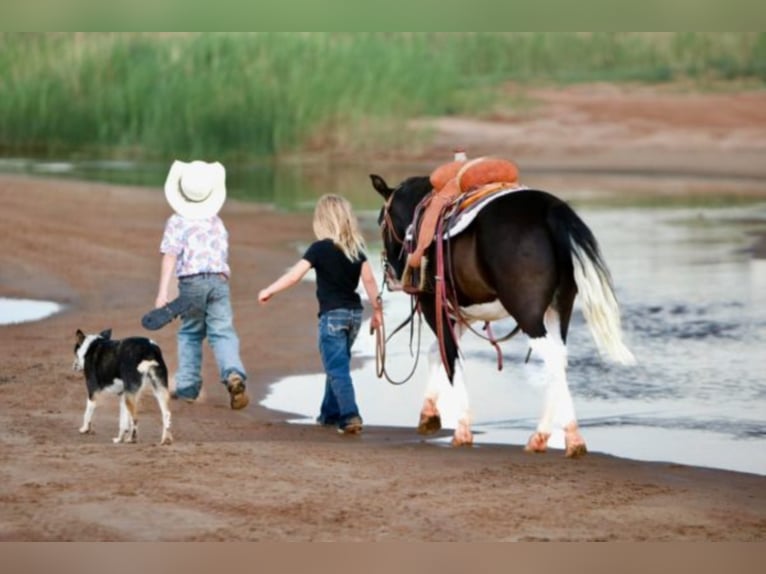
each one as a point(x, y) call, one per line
point(526, 255)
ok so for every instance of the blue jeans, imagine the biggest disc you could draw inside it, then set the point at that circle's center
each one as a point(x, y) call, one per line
point(210, 316)
point(337, 331)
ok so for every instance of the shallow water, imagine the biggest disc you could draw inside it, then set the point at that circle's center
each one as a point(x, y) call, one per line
point(22, 310)
point(694, 314)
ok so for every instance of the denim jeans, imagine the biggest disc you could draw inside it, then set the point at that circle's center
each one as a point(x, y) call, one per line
point(338, 329)
point(210, 317)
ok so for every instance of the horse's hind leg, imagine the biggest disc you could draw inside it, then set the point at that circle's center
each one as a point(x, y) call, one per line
point(463, 435)
point(558, 403)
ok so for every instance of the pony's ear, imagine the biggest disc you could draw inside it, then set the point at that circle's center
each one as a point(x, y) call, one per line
point(106, 333)
point(381, 186)
point(80, 336)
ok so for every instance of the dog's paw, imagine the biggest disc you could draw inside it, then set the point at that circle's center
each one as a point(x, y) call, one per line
point(86, 430)
point(167, 439)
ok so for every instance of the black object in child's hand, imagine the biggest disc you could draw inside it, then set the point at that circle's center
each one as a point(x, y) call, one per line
point(161, 316)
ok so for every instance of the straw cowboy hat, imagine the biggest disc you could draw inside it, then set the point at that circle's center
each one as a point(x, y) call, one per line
point(196, 190)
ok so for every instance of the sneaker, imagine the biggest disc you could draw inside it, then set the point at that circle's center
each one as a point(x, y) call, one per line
point(352, 426)
point(235, 384)
point(323, 422)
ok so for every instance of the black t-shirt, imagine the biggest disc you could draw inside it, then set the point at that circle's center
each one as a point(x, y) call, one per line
point(337, 277)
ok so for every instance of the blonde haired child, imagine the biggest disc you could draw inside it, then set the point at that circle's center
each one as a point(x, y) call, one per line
point(339, 260)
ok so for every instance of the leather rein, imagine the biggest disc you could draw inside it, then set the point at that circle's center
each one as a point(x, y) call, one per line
point(387, 226)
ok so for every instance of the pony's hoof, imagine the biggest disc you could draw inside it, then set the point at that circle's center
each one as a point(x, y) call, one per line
point(538, 442)
point(457, 442)
point(575, 445)
point(430, 424)
point(576, 450)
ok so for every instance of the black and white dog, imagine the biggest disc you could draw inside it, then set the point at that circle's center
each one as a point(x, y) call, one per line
point(122, 367)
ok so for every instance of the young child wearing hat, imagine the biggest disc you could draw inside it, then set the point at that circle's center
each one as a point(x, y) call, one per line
point(195, 249)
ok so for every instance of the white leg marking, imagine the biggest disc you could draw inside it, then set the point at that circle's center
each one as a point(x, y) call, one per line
point(463, 435)
point(132, 428)
point(86, 427)
point(163, 400)
point(123, 428)
point(430, 417)
point(437, 378)
point(558, 406)
point(435, 373)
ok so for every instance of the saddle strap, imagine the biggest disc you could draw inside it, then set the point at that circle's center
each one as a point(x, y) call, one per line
point(440, 294)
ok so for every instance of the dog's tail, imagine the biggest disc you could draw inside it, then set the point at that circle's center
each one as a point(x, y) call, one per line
point(146, 367)
point(154, 371)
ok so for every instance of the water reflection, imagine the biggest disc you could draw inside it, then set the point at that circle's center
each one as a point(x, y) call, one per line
point(285, 186)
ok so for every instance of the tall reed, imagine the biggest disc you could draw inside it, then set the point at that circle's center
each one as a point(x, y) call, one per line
point(263, 94)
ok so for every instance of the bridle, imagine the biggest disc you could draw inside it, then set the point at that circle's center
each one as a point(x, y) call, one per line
point(387, 227)
point(389, 281)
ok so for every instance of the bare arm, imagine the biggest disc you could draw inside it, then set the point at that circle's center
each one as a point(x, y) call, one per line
point(286, 281)
point(166, 273)
point(368, 280)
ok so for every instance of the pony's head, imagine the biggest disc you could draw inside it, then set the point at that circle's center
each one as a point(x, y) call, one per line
point(394, 220)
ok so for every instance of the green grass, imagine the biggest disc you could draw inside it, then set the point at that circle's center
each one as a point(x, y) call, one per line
point(246, 96)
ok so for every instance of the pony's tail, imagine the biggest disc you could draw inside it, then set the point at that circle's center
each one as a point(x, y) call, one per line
point(594, 286)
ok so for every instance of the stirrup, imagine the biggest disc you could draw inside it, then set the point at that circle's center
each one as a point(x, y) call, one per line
point(414, 278)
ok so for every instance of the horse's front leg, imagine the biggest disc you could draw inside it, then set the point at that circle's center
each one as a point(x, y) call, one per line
point(430, 418)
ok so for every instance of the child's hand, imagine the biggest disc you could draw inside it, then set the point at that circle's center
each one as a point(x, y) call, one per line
point(263, 296)
point(160, 301)
point(377, 320)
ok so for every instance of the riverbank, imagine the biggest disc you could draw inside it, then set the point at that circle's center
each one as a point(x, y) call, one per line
point(249, 475)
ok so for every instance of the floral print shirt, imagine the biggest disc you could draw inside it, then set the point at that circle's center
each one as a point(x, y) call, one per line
point(201, 245)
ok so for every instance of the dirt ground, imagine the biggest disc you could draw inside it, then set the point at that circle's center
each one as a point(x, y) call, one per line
point(249, 475)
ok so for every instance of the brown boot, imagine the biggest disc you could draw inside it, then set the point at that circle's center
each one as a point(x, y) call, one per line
point(235, 384)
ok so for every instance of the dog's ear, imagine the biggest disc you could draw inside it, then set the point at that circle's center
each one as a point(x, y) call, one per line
point(106, 333)
point(80, 336)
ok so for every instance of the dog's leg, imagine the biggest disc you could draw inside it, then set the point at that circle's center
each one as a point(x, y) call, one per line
point(157, 378)
point(86, 427)
point(163, 399)
point(123, 429)
point(131, 402)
